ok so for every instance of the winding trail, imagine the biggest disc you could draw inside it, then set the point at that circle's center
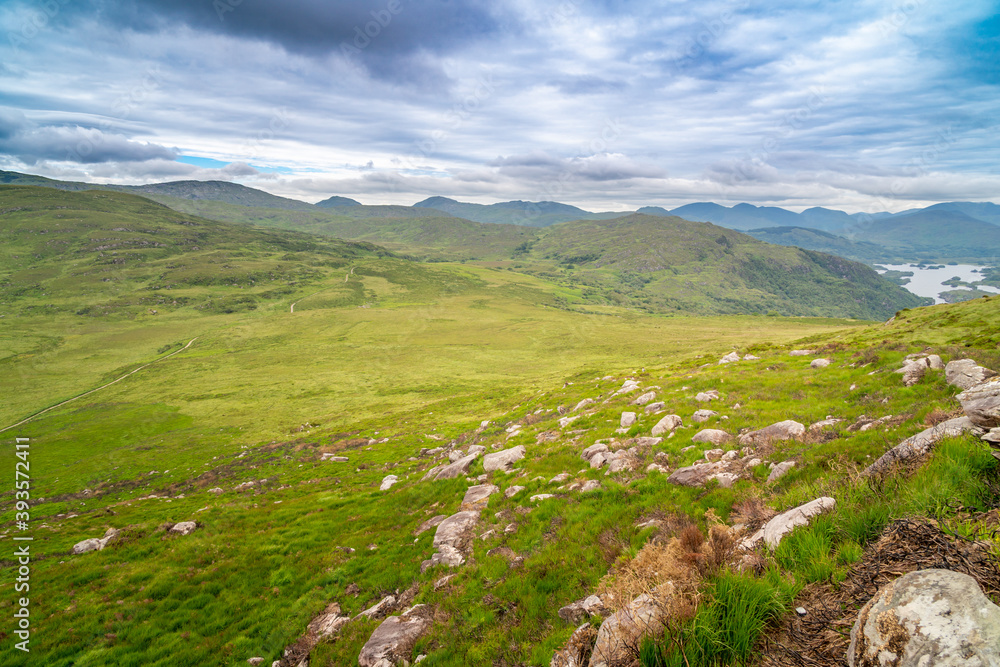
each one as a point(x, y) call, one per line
point(291, 308)
point(87, 393)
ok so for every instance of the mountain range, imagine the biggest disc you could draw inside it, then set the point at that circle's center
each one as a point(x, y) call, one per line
point(950, 231)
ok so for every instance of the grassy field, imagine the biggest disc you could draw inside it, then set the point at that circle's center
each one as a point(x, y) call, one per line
point(380, 359)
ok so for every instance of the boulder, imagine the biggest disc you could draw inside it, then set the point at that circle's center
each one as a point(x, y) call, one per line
point(627, 419)
point(560, 478)
point(802, 353)
point(981, 403)
point(966, 373)
point(779, 471)
point(627, 386)
point(701, 416)
point(478, 496)
point(476, 450)
point(455, 455)
point(725, 479)
point(624, 629)
point(504, 459)
point(711, 435)
point(335, 459)
point(750, 357)
point(819, 363)
point(92, 544)
point(589, 453)
point(184, 527)
point(393, 640)
point(379, 609)
point(452, 470)
point(645, 398)
point(714, 454)
point(784, 430)
point(667, 424)
point(541, 496)
point(927, 617)
point(328, 623)
point(512, 491)
point(598, 460)
point(699, 473)
point(452, 540)
point(622, 461)
point(784, 523)
point(826, 423)
point(216, 491)
point(918, 445)
point(913, 372)
point(584, 403)
point(706, 396)
point(387, 482)
point(729, 358)
point(590, 485)
point(432, 522)
point(654, 407)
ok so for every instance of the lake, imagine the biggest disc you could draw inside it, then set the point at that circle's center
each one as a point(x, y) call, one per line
point(930, 281)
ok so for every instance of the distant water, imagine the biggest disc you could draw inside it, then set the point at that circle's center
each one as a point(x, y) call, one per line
point(930, 281)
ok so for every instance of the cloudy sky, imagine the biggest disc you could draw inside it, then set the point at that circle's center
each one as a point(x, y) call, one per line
point(606, 104)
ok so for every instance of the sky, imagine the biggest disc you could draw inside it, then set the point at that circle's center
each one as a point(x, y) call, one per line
point(867, 105)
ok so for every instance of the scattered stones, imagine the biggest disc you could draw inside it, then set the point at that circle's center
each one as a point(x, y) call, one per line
point(595, 449)
point(379, 609)
point(393, 641)
point(645, 398)
point(452, 540)
point(387, 482)
point(701, 416)
point(627, 419)
point(513, 491)
point(775, 529)
point(966, 373)
point(981, 403)
point(654, 407)
point(478, 496)
point(667, 424)
point(918, 445)
point(706, 396)
point(184, 527)
point(784, 430)
point(95, 543)
point(819, 363)
point(779, 471)
point(927, 617)
point(714, 454)
point(503, 460)
point(711, 435)
point(729, 358)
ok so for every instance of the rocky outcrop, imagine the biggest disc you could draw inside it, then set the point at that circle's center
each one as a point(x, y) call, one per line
point(729, 358)
point(699, 474)
point(433, 522)
point(452, 540)
point(712, 435)
point(981, 403)
point(581, 609)
point(387, 482)
point(503, 460)
point(578, 649)
point(829, 422)
point(918, 445)
point(706, 396)
point(775, 529)
point(784, 430)
point(667, 424)
point(654, 407)
point(928, 617)
point(966, 373)
point(627, 420)
point(393, 640)
point(645, 398)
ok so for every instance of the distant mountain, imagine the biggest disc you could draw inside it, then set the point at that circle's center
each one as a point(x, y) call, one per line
point(337, 202)
point(985, 211)
point(748, 216)
point(937, 235)
point(524, 213)
point(817, 239)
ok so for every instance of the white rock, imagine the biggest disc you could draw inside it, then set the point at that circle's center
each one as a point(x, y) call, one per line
point(779, 471)
point(667, 424)
point(184, 527)
point(701, 416)
point(476, 497)
point(802, 353)
point(541, 496)
point(729, 358)
point(966, 373)
point(784, 430)
point(819, 363)
point(654, 407)
point(645, 398)
point(503, 460)
point(775, 529)
point(513, 491)
point(711, 435)
point(590, 485)
point(387, 482)
point(566, 421)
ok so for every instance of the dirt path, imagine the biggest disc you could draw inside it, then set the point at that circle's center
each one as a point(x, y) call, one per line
point(87, 393)
point(291, 308)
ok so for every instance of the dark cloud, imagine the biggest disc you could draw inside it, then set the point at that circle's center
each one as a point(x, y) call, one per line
point(32, 143)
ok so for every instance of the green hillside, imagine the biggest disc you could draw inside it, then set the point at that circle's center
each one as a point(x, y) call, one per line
point(937, 236)
point(814, 239)
point(674, 265)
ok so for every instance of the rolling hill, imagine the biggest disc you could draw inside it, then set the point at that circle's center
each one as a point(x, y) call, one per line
point(815, 239)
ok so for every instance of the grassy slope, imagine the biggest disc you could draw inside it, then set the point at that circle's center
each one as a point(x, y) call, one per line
point(438, 349)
